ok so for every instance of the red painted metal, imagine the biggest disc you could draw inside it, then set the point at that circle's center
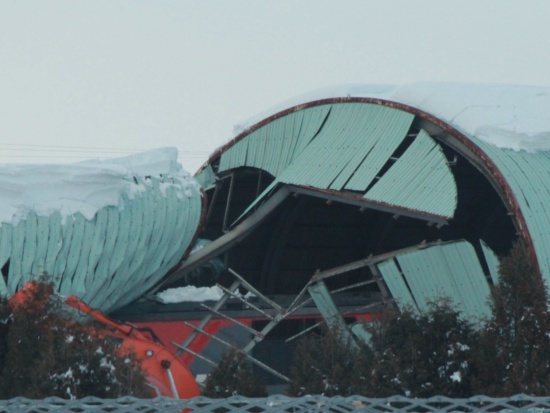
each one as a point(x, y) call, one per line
point(163, 369)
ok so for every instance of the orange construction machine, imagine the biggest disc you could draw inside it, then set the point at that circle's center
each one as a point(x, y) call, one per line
point(165, 372)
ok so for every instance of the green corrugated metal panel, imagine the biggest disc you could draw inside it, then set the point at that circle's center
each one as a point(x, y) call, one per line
point(65, 287)
point(160, 250)
point(348, 152)
point(350, 133)
point(61, 259)
point(420, 179)
point(29, 247)
point(385, 141)
point(492, 261)
point(14, 273)
point(361, 332)
point(449, 270)
point(528, 175)
point(111, 259)
point(396, 284)
point(207, 177)
point(170, 247)
point(325, 304)
point(102, 273)
point(55, 243)
point(42, 236)
point(274, 146)
point(120, 278)
point(78, 285)
point(371, 147)
point(97, 246)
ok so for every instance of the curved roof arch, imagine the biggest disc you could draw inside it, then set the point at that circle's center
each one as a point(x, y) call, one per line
point(391, 155)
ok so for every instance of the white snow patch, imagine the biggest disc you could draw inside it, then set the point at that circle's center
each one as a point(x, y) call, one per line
point(85, 187)
point(507, 116)
point(106, 363)
point(456, 376)
point(68, 374)
point(462, 347)
point(190, 294)
point(71, 396)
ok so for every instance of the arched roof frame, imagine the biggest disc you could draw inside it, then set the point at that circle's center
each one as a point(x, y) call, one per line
point(438, 129)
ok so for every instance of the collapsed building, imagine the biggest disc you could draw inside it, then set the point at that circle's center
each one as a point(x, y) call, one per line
point(326, 210)
point(106, 231)
point(335, 207)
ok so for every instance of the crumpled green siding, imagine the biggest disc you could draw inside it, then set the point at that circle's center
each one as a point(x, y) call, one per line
point(528, 175)
point(352, 132)
point(345, 147)
point(492, 261)
point(206, 178)
point(396, 284)
point(112, 259)
point(420, 179)
point(450, 270)
point(275, 145)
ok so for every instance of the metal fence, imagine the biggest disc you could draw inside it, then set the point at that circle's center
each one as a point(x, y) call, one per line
point(273, 404)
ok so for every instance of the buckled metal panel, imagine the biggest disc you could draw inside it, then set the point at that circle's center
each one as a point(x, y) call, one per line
point(492, 261)
point(115, 257)
point(352, 133)
point(449, 270)
point(275, 145)
point(420, 179)
point(396, 284)
point(347, 146)
point(528, 174)
point(206, 178)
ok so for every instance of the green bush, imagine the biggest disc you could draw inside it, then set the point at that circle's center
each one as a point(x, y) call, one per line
point(411, 354)
point(46, 353)
point(324, 363)
point(233, 376)
point(514, 356)
point(422, 355)
point(439, 352)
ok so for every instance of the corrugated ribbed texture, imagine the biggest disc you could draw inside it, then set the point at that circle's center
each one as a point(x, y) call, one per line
point(207, 177)
point(345, 147)
point(396, 284)
point(420, 179)
point(450, 270)
point(112, 259)
point(528, 175)
point(492, 261)
point(275, 145)
point(354, 134)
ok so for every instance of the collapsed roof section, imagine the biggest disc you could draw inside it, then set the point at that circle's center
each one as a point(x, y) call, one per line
point(362, 151)
point(327, 184)
point(106, 231)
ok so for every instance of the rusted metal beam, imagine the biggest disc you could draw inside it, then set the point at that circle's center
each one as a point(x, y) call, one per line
point(352, 198)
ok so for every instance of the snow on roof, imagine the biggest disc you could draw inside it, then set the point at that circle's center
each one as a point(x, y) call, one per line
point(82, 187)
point(508, 116)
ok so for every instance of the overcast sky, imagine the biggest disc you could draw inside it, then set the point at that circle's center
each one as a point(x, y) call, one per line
point(89, 79)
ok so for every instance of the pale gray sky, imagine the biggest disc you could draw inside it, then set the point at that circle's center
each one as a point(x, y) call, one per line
point(106, 78)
